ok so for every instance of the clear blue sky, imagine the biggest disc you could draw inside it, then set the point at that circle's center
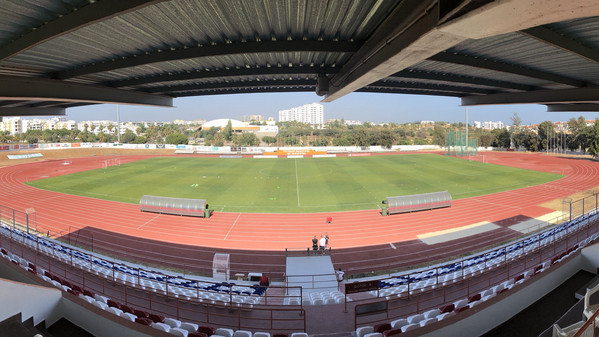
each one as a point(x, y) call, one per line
point(375, 108)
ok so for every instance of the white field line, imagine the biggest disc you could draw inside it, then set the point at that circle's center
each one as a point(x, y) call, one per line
point(233, 225)
point(147, 222)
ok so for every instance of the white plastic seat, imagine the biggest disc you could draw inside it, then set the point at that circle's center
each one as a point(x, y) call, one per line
point(179, 332)
point(363, 330)
point(101, 298)
point(242, 333)
point(114, 311)
point(460, 303)
point(261, 334)
point(374, 334)
point(445, 315)
point(410, 327)
point(317, 301)
point(431, 313)
point(161, 327)
point(415, 318)
point(128, 316)
point(191, 327)
point(398, 323)
point(100, 305)
point(173, 323)
point(428, 321)
point(330, 300)
point(299, 334)
point(223, 332)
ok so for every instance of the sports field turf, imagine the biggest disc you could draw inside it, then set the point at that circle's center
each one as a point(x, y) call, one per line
point(294, 185)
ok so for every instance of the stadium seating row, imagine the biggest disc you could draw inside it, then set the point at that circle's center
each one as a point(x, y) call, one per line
point(159, 322)
point(429, 317)
point(153, 281)
point(455, 271)
point(247, 296)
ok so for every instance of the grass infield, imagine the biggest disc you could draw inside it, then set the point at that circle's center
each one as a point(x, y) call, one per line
point(294, 185)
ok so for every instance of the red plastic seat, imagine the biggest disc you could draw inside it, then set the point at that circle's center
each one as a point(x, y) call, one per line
point(156, 318)
point(114, 304)
point(197, 334)
point(474, 298)
point(141, 313)
point(458, 310)
point(144, 321)
point(382, 327)
point(127, 308)
point(207, 330)
point(391, 332)
point(447, 308)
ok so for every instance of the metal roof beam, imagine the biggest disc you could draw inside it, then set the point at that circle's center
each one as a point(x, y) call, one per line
point(410, 92)
point(487, 64)
point(212, 50)
point(428, 75)
point(408, 22)
point(577, 95)
point(220, 73)
point(432, 87)
point(30, 111)
point(77, 19)
point(232, 85)
point(548, 36)
point(494, 18)
point(582, 107)
point(245, 91)
point(42, 89)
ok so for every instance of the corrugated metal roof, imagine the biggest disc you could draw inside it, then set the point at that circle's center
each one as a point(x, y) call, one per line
point(106, 51)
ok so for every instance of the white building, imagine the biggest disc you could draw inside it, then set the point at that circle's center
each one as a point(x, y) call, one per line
point(489, 125)
point(11, 124)
point(16, 125)
point(312, 114)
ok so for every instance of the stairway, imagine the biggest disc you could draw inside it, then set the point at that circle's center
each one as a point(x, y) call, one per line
point(312, 273)
point(15, 327)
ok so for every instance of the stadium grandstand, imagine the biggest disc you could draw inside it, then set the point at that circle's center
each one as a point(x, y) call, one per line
point(73, 265)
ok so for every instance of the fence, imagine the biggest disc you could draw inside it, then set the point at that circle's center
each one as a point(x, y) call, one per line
point(456, 144)
point(575, 208)
point(269, 314)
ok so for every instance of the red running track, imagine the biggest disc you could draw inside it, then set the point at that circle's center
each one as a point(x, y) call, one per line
point(250, 231)
point(360, 239)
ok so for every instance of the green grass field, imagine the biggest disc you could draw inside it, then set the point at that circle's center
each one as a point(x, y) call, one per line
point(294, 185)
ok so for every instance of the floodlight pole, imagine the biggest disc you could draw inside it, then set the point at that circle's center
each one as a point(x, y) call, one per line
point(467, 130)
point(118, 124)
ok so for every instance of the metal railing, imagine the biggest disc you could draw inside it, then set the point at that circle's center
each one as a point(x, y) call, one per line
point(270, 314)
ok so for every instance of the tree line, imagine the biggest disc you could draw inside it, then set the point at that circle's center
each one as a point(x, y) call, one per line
point(578, 137)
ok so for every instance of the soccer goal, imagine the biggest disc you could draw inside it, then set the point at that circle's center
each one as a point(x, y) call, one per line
point(111, 162)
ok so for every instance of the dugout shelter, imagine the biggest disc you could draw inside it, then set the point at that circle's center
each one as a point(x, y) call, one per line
point(417, 202)
point(175, 206)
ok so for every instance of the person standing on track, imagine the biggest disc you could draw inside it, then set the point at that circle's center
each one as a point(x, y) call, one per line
point(314, 244)
point(323, 243)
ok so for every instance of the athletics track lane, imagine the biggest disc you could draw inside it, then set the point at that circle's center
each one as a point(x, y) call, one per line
point(279, 231)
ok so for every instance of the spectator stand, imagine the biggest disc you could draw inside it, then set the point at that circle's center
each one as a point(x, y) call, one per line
point(175, 206)
point(416, 202)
